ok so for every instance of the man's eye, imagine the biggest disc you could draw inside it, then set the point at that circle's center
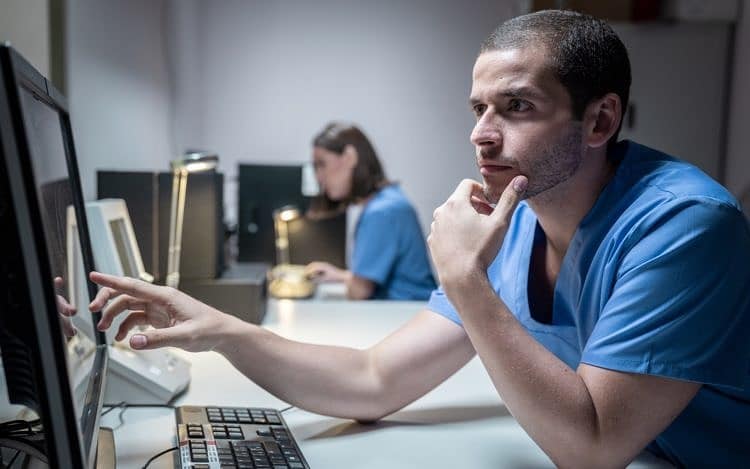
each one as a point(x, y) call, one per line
point(479, 109)
point(519, 105)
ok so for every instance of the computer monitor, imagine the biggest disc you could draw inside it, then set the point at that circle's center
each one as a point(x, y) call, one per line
point(135, 377)
point(318, 240)
point(46, 367)
point(263, 189)
point(114, 247)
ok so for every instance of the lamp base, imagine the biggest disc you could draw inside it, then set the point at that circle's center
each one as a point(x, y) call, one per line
point(288, 281)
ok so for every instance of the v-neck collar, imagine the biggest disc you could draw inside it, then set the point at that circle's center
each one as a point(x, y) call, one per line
point(567, 278)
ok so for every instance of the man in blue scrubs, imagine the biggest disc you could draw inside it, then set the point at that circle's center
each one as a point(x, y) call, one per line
point(603, 284)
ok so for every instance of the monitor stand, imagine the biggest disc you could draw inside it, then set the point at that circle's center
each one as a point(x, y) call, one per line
point(105, 449)
point(145, 376)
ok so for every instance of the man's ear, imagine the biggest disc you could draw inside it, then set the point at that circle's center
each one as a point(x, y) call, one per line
point(602, 119)
point(350, 155)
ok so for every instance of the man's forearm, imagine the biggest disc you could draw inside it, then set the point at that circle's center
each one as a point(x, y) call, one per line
point(335, 381)
point(550, 400)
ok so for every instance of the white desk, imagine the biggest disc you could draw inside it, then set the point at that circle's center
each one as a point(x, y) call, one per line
point(460, 424)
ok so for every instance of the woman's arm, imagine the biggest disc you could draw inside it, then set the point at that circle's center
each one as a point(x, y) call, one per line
point(357, 288)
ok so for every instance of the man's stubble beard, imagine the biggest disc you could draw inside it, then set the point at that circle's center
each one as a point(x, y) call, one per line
point(557, 162)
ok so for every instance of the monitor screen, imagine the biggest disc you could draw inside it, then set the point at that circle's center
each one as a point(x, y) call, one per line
point(115, 252)
point(55, 195)
point(124, 248)
point(45, 193)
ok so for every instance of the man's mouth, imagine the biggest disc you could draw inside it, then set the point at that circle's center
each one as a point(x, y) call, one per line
point(493, 169)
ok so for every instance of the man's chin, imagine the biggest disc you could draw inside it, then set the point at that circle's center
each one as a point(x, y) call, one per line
point(492, 194)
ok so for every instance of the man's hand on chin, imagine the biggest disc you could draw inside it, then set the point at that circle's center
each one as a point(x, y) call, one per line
point(467, 233)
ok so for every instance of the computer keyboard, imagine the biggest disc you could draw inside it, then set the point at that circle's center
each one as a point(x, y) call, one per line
point(239, 438)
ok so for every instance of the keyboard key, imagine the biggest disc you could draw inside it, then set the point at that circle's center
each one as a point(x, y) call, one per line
point(272, 448)
point(270, 444)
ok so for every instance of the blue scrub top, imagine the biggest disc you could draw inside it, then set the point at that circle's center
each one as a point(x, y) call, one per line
point(656, 280)
point(390, 250)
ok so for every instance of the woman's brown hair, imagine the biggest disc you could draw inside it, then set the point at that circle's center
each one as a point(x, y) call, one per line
point(367, 177)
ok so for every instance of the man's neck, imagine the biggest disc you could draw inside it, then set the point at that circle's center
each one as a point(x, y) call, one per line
point(561, 209)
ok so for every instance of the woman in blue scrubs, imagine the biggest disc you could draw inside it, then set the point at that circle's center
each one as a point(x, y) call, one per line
point(389, 256)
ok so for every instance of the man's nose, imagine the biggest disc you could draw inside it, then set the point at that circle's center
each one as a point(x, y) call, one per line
point(486, 131)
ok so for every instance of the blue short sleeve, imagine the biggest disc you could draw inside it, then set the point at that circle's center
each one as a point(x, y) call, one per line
point(389, 248)
point(677, 307)
point(376, 246)
point(440, 304)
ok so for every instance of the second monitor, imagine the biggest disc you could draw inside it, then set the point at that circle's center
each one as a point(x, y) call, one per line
point(142, 376)
point(265, 188)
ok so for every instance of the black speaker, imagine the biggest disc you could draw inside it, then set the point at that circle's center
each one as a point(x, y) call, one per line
point(148, 196)
point(240, 291)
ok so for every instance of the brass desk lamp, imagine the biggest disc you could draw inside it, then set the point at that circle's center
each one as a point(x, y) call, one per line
point(287, 280)
point(191, 162)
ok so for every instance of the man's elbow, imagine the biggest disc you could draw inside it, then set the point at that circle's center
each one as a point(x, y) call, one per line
point(594, 456)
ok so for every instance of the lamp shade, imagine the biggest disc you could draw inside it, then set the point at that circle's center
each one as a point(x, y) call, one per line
point(196, 161)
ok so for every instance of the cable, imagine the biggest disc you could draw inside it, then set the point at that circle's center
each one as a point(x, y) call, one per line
point(286, 408)
point(156, 456)
point(112, 407)
point(123, 406)
point(20, 427)
point(13, 459)
point(126, 404)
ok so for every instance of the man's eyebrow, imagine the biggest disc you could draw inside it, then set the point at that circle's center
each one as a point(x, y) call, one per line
point(515, 92)
point(523, 92)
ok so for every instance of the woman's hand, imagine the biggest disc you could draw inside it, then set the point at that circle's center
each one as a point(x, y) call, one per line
point(320, 272)
point(179, 319)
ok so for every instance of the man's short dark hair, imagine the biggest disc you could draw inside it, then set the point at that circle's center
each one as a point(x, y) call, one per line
point(586, 54)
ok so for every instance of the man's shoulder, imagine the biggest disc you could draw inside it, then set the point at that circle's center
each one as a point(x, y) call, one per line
point(649, 174)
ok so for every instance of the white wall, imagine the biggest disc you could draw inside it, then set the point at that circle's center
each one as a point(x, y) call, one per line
point(738, 162)
point(254, 80)
point(118, 88)
point(262, 77)
point(679, 78)
point(25, 23)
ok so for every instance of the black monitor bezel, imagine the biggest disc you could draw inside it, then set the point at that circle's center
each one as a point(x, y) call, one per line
point(58, 412)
